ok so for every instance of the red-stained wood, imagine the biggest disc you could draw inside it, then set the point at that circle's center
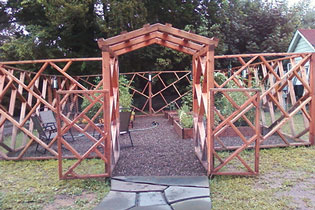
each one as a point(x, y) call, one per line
point(312, 106)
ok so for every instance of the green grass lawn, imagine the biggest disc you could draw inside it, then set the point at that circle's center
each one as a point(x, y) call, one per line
point(286, 181)
point(35, 185)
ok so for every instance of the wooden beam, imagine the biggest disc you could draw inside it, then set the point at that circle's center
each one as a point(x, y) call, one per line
point(136, 46)
point(175, 47)
point(190, 36)
point(312, 94)
point(179, 41)
point(127, 36)
point(50, 60)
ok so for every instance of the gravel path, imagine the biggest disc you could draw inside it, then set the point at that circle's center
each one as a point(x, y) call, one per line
point(157, 151)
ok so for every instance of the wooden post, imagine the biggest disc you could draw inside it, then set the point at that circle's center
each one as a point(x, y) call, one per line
point(150, 95)
point(107, 123)
point(312, 105)
point(59, 137)
point(107, 141)
point(257, 125)
point(210, 105)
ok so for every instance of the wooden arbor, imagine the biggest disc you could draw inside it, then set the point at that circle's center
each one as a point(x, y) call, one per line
point(202, 50)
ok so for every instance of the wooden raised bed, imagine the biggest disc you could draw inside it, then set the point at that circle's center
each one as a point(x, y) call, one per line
point(184, 133)
point(171, 116)
point(168, 112)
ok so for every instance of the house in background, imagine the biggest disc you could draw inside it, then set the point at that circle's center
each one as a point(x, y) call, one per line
point(303, 41)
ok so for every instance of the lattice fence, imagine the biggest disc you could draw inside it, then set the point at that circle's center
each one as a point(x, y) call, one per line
point(165, 89)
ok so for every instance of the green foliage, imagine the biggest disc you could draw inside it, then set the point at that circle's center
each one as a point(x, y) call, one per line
point(125, 98)
point(185, 118)
point(224, 105)
point(54, 29)
point(188, 98)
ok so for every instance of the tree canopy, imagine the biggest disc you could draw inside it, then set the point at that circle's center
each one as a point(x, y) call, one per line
point(38, 29)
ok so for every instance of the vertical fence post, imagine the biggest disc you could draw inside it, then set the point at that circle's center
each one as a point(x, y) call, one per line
point(150, 94)
point(59, 133)
point(312, 105)
point(107, 122)
point(210, 105)
point(257, 125)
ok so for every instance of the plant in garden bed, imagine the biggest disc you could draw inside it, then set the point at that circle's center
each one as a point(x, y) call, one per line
point(185, 117)
point(184, 126)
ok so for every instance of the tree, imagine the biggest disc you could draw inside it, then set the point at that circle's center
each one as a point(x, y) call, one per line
point(62, 28)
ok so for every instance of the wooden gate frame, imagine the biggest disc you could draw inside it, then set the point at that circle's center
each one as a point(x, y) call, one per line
point(199, 47)
point(64, 124)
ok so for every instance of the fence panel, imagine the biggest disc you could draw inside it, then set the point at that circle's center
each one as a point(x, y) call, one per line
point(91, 136)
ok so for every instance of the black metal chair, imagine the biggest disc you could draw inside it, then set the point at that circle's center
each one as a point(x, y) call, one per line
point(124, 119)
point(46, 132)
point(48, 119)
point(124, 124)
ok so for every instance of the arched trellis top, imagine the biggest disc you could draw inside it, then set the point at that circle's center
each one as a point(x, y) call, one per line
point(164, 35)
point(202, 50)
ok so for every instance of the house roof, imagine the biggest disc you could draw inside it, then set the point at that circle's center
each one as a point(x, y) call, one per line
point(307, 34)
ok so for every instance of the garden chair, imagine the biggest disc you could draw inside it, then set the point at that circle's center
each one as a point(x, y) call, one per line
point(48, 119)
point(46, 132)
point(124, 124)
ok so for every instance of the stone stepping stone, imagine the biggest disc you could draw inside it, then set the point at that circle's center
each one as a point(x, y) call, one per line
point(151, 198)
point(157, 193)
point(176, 193)
point(117, 201)
point(156, 207)
point(123, 186)
point(189, 181)
point(195, 204)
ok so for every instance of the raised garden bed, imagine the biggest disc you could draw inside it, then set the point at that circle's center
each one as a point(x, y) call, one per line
point(184, 133)
point(171, 115)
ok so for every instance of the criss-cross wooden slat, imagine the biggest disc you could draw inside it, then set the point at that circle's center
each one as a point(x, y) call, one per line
point(274, 80)
point(181, 81)
point(229, 122)
point(33, 91)
point(98, 146)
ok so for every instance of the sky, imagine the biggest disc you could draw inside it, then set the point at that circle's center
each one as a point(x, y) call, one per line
point(291, 2)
